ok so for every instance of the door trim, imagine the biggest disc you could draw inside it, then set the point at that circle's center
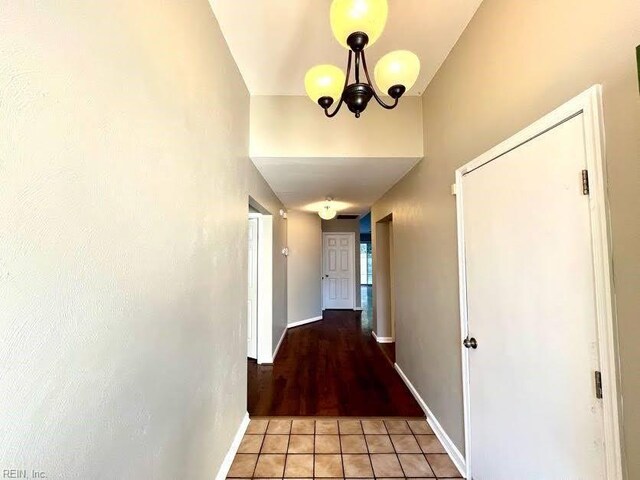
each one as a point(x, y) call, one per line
point(353, 266)
point(265, 287)
point(589, 104)
point(256, 217)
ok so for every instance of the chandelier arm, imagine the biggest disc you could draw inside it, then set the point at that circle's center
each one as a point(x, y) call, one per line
point(375, 95)
point(346, 82)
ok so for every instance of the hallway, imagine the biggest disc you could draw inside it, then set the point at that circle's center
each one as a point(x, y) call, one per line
point(199, 198)
point(332, 367)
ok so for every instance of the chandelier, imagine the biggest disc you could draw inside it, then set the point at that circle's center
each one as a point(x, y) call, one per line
point(357, 24)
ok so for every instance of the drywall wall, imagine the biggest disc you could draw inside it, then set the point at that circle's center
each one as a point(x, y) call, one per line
point(304, 266)
point(292, 126)
point(124, 184)
point(348, 226)
point(515, 62)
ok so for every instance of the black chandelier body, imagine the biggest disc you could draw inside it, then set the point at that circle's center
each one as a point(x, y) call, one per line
point(358, 94)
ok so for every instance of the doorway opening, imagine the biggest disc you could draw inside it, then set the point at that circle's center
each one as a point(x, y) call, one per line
point(366, 270)
point(383, 287)
point(260, 288)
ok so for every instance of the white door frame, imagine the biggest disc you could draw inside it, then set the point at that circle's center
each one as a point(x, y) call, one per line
point(252, 347)
point(353, 265)
point(589, 104)
point(265, 287)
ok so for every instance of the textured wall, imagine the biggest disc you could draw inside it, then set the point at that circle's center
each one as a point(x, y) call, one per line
point(124, 182)
point(304, 266)
point(516, 61)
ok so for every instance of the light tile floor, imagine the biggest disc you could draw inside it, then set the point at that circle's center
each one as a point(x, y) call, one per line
point(303, 448)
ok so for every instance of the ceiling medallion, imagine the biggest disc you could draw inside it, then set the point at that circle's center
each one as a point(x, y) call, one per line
point(357, 24)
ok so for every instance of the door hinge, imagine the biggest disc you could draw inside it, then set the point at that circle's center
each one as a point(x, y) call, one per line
point(598, 376)
point(585, 182)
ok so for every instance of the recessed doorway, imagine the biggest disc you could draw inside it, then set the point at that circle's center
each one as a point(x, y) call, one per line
point(383, 285)
point(260, 283)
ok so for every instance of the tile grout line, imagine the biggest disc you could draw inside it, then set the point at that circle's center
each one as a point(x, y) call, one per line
point(394, 447)
point(434, 453)
point(422, 451)
point(264, 439)
point(286, 451)
point(364, 439)
point(366, 444)
point(340, 444)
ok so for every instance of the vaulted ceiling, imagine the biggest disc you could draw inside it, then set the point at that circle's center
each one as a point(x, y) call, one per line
point(274, 42)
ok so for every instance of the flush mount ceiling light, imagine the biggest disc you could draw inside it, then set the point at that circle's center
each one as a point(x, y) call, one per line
point(357, 24)
point(327, 212)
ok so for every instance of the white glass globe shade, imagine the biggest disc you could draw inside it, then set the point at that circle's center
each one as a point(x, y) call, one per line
point(367, 16)
point(327, 212)
point(400, 67)
point(324, 81)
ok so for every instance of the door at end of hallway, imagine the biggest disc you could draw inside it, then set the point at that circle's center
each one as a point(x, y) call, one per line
point(338, 278)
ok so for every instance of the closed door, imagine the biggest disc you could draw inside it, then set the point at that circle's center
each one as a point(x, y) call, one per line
point(252, 329)
point(339, 270)
point(534, 414)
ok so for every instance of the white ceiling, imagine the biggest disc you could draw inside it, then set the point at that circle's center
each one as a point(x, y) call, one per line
point(356, 183)
point(274, 42)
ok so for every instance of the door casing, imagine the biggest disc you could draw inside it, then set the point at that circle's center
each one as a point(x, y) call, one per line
point(265, 287)
point(252, 324)
point(589, 104)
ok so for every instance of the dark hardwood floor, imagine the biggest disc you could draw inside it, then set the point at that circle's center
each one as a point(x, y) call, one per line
point(330, 368)
point(389, 350)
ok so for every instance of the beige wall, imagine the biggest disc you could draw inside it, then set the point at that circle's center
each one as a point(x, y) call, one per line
point(124, 182)
point(348, 226)
point(292, 126)
point(304, 266)
point(516, 61)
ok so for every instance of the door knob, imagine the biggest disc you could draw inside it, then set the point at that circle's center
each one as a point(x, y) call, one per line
point(470, 343)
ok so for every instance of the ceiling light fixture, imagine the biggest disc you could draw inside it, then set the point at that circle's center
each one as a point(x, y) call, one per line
point(357, 24)
point(327, 212)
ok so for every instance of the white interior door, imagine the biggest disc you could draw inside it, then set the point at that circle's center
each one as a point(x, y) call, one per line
point(533, 411)
point(338, 283)
point(252, 330)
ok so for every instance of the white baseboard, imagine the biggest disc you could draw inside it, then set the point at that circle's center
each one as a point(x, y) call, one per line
point(457, 457)
point(304, 322)
point(382, 339)
point(275, 352)
point(233, 449)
